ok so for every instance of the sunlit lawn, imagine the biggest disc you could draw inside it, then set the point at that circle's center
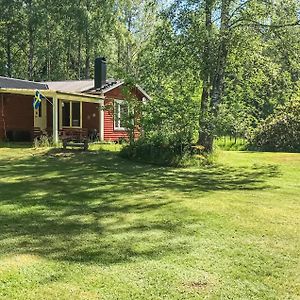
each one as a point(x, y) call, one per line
point(93, 226)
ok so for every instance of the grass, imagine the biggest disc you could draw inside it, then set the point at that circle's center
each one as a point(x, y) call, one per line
point(90, 225)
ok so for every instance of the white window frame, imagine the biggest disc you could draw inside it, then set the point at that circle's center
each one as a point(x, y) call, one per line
point(118, 127)
point(71, 115)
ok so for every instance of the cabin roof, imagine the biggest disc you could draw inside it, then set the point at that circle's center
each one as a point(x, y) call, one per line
point(68, 86)
point(13, 83)
point(78, 86)
point(81, 86)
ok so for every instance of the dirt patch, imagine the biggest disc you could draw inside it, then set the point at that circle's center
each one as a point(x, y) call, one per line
point(18, 261)
point(197, 285)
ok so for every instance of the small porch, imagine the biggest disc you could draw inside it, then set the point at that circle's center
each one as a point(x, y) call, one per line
point(65, 112)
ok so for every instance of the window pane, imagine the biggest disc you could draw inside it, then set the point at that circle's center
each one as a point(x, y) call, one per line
point(123, 115)
point(116, 116)
point(76, 114)
point(66, 114)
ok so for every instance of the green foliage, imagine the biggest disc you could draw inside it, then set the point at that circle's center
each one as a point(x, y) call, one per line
point(171, 118)
point(258, 67)
point(133, 116)
point(43, 141)
point(260, 73)
point(155, 151)
point(280, 131)
point(168, 123)
point(234, 120)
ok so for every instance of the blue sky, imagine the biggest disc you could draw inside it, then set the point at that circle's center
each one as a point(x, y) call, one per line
point(166, 3)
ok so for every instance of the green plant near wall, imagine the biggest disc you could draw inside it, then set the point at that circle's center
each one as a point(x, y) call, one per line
point(43, 141)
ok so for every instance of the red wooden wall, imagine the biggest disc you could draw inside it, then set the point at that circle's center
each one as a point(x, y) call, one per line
point(90, 116)
point(110, 134)
point(18, 113)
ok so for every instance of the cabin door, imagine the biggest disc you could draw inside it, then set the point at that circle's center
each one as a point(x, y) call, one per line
point(40, 116)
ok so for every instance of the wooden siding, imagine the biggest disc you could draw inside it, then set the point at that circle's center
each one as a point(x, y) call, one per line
point(110, 134)
point(18, 113)
point(90, 116)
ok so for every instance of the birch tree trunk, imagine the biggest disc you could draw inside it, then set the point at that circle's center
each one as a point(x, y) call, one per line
point(8, 53)
point(87, 54)
point(204, 136)
point(219, 74)
point(79, 58)
point(30, 41)
point(87, 41)
point(213, 84)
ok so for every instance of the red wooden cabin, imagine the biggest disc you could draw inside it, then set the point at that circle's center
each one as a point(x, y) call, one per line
point(69, 105)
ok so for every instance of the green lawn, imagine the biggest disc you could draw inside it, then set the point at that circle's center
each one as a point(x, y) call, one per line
point(94, 226)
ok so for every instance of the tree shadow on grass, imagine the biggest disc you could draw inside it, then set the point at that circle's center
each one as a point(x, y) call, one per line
point(96, 207)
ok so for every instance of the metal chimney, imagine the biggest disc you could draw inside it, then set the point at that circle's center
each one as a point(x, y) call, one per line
point(100, 72)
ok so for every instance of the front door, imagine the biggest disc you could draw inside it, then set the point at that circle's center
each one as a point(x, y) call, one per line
point(40, 116)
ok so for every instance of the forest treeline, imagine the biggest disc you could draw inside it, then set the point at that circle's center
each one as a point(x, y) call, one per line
point(58, 40)
point(213, 67)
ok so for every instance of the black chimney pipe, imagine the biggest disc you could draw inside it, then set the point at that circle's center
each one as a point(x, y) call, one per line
point(100, 72)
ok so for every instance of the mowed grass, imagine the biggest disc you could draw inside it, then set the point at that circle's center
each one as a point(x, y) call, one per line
point(93, 226)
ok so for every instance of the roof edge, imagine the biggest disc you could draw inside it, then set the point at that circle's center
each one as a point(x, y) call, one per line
point(25, 80)
point(143, 92)
point(49, 93)
point(120, 84)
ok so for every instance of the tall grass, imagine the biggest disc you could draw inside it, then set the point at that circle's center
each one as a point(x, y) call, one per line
point(231, 143)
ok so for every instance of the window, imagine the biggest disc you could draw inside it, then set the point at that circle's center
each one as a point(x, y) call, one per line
point(71, 114)
point(121, 115)
point(75, 114)
point(66, 114)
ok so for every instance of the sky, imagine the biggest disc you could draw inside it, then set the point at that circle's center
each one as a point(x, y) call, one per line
point(166, 3)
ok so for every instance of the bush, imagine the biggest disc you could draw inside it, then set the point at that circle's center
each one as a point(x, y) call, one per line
point(280, 131)
point(167, 154)
point(43, 142)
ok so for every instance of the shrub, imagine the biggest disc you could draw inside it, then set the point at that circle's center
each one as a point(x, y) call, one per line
point(280, 131)
point(168, 154)
point(43, 142)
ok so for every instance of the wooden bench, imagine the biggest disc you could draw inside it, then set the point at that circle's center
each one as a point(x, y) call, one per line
point(37, 132)
point(74, 137)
